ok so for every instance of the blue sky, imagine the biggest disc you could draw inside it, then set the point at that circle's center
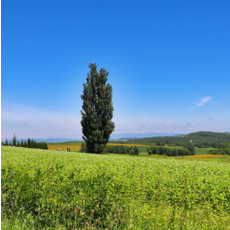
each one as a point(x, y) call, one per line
point(168, 63)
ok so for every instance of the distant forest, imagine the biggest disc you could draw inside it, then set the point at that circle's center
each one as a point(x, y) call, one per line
point(199, 139)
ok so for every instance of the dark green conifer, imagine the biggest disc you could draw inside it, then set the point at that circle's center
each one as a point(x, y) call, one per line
point(22, 143)
point(6, 143)
point(14, 140)
point(136, 151)
point(18, 144)
point(29, 143)
point(97, 110)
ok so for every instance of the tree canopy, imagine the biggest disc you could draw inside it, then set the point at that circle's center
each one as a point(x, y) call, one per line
point(97, 110)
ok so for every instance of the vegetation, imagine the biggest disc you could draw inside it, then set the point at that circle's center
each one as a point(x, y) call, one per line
point(62, 190)
point(121, 149)
point(67, 143)
point(97, 110)
point(29, 143)
point(220, 151)
point(170, 151)
point(199, 139)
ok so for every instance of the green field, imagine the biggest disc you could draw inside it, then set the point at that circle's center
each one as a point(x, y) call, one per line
point(202, 151)
point(44, 189)
point(67, 143)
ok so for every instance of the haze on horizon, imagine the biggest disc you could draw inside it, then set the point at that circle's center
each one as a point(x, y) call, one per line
point(168, 63)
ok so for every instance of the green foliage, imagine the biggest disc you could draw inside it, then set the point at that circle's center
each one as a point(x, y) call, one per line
point(22, 143)
point(199, 139)
point(121, 149)
point(223, 145)
point(169, 151)
point(14, 140)
point(190, 147)
point(6, 143)
point(97, 110)
point(30, 143)
point(73, 190)
point(224, 151)
point(83, 148)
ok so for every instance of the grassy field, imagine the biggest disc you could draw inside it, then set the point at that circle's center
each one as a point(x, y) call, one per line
point(43, 189)
point(67, 143)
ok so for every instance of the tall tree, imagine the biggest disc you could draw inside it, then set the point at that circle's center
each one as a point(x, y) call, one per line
point(14, 141)
point(97, 111)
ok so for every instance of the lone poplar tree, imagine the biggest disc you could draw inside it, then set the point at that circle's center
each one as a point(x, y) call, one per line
point(97, 110)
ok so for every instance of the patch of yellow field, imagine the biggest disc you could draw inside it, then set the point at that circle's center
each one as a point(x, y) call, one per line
point(64, 147)
point(204, 156)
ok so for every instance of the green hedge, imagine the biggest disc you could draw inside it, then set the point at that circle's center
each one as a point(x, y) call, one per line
point(119, 149)
point(169, 151)
point(224, 151)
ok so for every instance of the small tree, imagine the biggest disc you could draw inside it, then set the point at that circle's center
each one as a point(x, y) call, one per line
point(97, 110)
point(190, 147)
point(136, 151)
point(45, 146)
point(29, 143)
point(14, 140)
point(22, 143)
point(83, 148)
point(6, 143)
point(25, 144)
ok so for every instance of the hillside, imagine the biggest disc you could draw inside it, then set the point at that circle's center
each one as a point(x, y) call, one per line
point(198, 137)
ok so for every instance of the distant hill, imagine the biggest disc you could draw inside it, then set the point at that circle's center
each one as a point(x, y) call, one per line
point(198, 137)
point(126, 136)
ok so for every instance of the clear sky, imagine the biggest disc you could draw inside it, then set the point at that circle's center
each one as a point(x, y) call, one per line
point(168, 63)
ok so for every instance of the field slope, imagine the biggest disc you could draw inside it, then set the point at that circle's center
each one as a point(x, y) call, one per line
point(44, 189)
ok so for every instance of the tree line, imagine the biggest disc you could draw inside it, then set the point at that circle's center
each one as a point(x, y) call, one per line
point(29, 143)
point(119, 149)
point(170, 151)
point(224, 151)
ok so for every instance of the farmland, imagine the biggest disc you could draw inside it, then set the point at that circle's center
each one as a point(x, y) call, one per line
point(77, 146)
point(44, 189)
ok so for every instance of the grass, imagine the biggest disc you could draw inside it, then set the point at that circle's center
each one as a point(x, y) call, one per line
point(44, 189)
point(203, 151)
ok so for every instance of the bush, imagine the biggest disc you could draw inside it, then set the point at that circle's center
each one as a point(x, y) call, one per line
point(224, 151)
point(83, 148)
point(169, 151)
point(121, 149)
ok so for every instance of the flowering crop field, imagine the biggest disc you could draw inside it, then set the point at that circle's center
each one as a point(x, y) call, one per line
point(43, 189)
point(78, 146)
point(64, 147)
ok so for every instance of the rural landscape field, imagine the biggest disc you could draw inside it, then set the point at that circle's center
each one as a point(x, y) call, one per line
point(45, 189)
